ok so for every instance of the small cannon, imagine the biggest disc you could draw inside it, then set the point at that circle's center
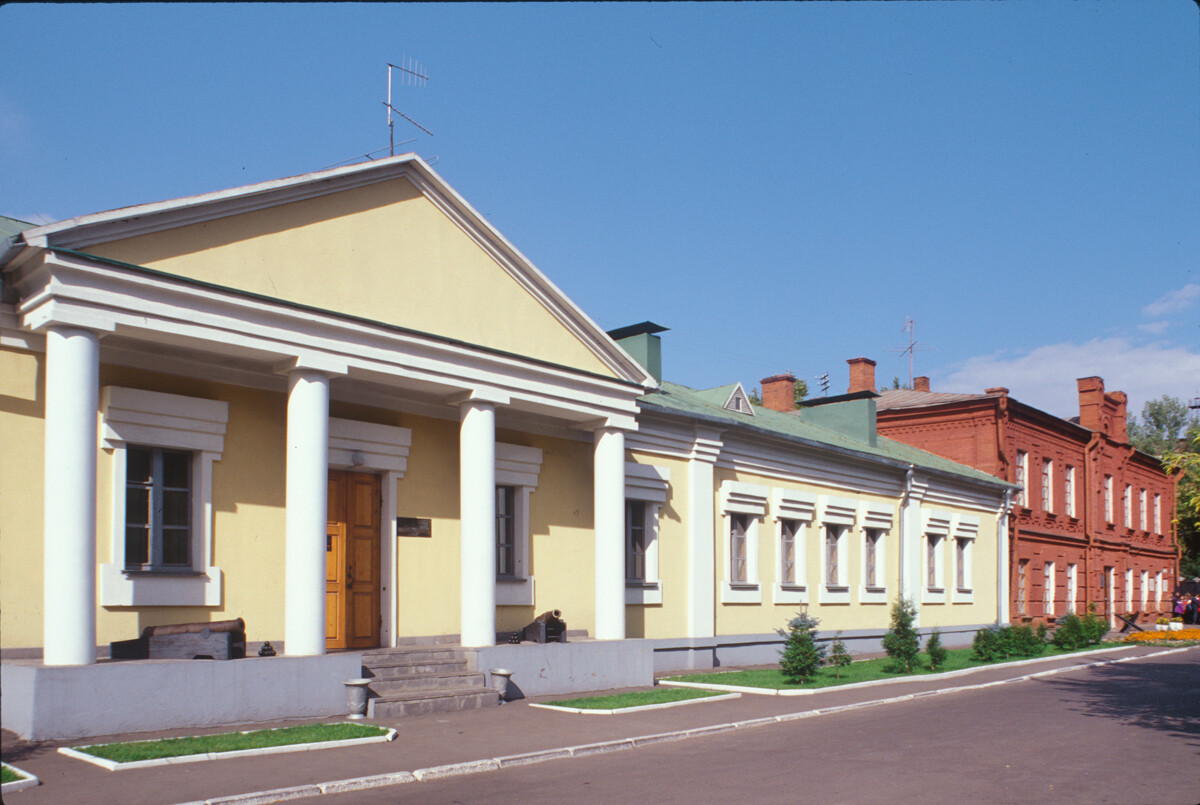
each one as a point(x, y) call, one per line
point(549, 627)
point(219, 640)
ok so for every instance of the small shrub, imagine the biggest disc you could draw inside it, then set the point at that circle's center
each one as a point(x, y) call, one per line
point(902, 642)
point(935, 652)
point(801, 655)
point(1094, 627)
point(986, 645)
point(1020, 641)
point(839, 658)
point(1069, 636)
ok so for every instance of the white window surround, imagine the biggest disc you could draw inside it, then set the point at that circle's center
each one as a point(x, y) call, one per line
point(1069, 491)
point(1048, 485)
point(518, 467)
point(1050, 587)
point(649, 484)
point(800, 508)
point(1158, 514)
point(1142, 509)
point(748, 499)
point(1108, 498)
point(1072, 587)
point(1022, 480)
point(1129, 589)
point(966, 528)
point(1127, 505)
point(935, 527)
point(876, 518)
point(154, 419)
point(843, 513)
point(1145, 579)
point(1158, 589)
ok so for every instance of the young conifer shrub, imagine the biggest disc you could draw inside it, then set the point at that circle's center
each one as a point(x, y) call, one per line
point(801, 655)
point(902, 642)
point(934, 650)
point(839, 658)
point(1068, 632)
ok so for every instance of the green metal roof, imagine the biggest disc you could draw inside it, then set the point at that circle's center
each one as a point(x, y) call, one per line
point(11, 226)
point(674, 398)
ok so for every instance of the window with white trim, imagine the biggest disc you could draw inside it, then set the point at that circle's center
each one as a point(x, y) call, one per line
point(1145, 580)
point(1022, 586)
point(962, 563)
point(1158, 514)
point(744, 506)
point(876, 524)
point(1069, 490)
point(1072, 587)
point(1142, 509)
point(965, 533)
point(838, 516)
point(1158, 589)
point(646, 490)
point(1129, 589)
point(1048, 589)
point(517, 471)
point(1127, 504)
point(936, 534)
point(163, 447)
point(1022, 479)
point(793, 512)
point(1048, 485)
point(1108, 498)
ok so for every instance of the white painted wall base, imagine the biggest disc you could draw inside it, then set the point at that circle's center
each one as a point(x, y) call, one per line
point(44, 702)
point(541, 669)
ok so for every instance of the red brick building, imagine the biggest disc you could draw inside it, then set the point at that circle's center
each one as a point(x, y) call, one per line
point(1093, 521)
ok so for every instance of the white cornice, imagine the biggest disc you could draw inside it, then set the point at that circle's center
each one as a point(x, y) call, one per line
point(144, 306)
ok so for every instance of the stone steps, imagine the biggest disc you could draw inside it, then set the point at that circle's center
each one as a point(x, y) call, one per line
point(417, 680)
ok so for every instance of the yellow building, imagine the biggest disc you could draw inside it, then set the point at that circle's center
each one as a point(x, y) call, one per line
point(342, 407)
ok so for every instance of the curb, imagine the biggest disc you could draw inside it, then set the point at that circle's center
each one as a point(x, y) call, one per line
point(584, 750)
point(639, 709)
point(114, 765)
point(30, 781)
point(668, 683)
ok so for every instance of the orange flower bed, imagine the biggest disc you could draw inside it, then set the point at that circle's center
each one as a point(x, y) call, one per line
point(1154, 637)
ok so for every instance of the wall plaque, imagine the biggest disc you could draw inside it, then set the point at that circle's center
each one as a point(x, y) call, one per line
point(414, 527)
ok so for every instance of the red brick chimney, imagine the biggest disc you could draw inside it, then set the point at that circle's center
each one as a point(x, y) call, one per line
point(920, 383)
point(1117, 428)
point(779, 392)
point(862, 375)
point(1091, 402)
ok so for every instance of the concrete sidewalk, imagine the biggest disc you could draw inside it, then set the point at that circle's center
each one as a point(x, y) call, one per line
point(434, 745)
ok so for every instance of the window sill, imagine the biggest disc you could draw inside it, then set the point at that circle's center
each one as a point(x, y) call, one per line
point(514, 592)
point(180, 572)
point(740, 592)
point(833, 594)
point(642, 592)
point(789, 594)
point(123, 587)
point(872, 595)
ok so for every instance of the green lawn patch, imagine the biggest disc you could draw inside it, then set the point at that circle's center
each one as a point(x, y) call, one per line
point(639, 698)
point(8, 775)
point(860, 671)
point(230, 741)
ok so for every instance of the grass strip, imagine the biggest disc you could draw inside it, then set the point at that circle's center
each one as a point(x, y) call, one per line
point(230, 741)
point(618, 701)
point(859, 671)
point(9, 775)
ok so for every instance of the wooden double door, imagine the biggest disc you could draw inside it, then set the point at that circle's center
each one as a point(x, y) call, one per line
point(352, 586)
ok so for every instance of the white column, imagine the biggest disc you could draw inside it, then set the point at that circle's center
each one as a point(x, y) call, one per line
point(307, 511)
point(609, 484)
point(1002, 567)
point(477, 522)
point(69, 582)
point(702, 546)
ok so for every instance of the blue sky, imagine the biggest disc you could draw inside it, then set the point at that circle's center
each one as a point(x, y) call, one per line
point(780, 184)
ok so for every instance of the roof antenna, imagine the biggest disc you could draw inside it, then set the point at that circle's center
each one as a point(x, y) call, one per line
point(413, 75)
point(910, 327)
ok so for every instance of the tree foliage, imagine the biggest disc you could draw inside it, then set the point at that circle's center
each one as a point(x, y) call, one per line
point(902, 641)
point(1161, 426)
point(1186, 462)
point(935, 651)
point(801, 655)
point(839, 658)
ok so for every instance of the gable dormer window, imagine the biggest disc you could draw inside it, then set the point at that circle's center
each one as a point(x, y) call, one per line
point(739, 402)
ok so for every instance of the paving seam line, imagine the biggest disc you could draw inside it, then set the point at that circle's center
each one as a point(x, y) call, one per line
point(584, 750)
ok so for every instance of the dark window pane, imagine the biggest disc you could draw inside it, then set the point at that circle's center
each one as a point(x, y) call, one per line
point(137, 506)
point(137, 465)
point(175, 508)
point(136, 546)
point(175, 546)
point(175, 469)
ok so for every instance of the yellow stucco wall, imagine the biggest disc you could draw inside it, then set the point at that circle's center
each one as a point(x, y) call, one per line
point(22, 406)
point(381, 252)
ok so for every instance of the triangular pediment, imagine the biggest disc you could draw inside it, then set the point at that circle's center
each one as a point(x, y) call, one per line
point(386, 241)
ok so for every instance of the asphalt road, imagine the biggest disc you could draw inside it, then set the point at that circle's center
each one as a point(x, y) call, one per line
point(1126, 733)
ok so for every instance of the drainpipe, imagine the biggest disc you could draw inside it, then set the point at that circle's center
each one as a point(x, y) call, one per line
point(1088, 479)
point(1002, 564)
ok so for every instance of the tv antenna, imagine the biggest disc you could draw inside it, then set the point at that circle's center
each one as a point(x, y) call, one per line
point(910, 327)
point(412, 75)
point(823, 379)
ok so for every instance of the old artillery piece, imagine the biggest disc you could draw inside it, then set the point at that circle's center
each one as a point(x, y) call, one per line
point(219, 640)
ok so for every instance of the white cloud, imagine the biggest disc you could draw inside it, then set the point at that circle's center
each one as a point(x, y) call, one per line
point(1045, 377)
point(1174, 301)
point(1154, 327)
